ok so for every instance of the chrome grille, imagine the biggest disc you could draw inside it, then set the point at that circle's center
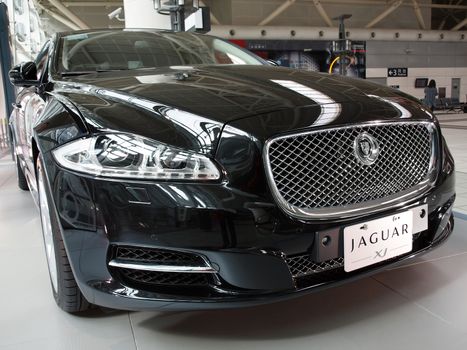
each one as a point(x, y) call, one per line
point(139, 258)
point(319, 169)
point(158, 256)
point(303, 265)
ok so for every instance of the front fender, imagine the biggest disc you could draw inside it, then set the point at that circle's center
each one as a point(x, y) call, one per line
point(59, 123)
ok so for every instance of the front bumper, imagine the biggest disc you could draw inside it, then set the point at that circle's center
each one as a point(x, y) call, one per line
point(113, 294)
point(245, 237)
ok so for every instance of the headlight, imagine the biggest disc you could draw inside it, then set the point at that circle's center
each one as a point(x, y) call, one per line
point(128, 156)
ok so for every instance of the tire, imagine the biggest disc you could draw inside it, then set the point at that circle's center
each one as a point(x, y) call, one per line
point(22, 182)
point(65, 290)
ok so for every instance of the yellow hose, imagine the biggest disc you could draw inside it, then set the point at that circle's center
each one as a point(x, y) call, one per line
point(332, 64)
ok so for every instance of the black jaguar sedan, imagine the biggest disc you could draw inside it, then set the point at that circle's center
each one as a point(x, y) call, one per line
point(177, 171)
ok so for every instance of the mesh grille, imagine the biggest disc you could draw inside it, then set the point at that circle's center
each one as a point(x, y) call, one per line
point(158, 256)
point(303, 265)
point(155, 279)
point(320, 169)
point(165, 279)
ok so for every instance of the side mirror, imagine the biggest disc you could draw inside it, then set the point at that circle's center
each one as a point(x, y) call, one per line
point(24, 74)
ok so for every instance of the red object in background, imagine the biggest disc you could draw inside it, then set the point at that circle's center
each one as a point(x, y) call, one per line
point(239, 42)
point(243, 43)
point(262, 54)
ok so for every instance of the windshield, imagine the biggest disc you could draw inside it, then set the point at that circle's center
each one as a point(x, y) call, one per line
point(122, 50)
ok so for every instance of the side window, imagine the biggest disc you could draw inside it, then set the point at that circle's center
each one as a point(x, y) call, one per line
point(41, 61)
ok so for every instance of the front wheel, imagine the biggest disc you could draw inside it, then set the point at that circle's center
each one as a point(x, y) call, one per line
point(65, 289)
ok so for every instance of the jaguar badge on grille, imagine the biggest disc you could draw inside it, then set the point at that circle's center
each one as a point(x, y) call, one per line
point(366, 148)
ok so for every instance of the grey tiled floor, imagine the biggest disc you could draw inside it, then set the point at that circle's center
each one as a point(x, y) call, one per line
point(422, 305)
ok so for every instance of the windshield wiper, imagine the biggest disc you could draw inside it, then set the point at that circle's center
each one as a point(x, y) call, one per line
point(75, 73)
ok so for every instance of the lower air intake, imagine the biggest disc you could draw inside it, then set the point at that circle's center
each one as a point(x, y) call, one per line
point(151, 268)
point(303, 265)
point(165, 278)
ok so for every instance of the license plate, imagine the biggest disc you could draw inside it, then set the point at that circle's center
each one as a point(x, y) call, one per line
point(374, 241)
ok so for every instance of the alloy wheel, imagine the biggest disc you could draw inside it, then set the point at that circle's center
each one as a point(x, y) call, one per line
point(47, 229)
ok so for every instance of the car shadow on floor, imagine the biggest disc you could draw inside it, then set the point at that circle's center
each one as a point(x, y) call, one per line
point(317, 313)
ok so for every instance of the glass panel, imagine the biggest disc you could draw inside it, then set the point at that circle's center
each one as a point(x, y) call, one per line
point(115, 50)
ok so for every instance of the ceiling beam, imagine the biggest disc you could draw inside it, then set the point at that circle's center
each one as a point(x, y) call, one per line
point(67, 13)
point(385, 13)
point(445, 6)
point(92, 3)
point(460, 25)
point(276, 12)
point(418, 14)
point(443, 22)
point(214, 19)
point(322, 12)
point(59, 18)
point(385, 2)
point(341, 2)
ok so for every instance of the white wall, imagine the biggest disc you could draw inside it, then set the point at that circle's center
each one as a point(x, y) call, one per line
point(442, 76)
point(440, 61)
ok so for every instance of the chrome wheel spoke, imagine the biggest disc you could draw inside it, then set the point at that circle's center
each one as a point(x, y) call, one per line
point(47, 232)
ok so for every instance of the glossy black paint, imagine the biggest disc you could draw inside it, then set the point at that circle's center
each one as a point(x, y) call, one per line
point(246, 247)
point(191, 112)
point(228, 113)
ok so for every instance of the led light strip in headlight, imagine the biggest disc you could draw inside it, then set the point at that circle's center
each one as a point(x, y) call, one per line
point(130, 156)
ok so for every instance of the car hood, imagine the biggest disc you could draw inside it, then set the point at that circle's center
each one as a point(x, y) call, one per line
point(175, 103)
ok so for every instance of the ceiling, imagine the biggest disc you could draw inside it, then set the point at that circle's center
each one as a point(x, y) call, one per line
point(435, 14)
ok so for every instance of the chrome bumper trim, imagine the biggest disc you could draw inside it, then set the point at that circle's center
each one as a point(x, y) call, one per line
point(161, 268)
